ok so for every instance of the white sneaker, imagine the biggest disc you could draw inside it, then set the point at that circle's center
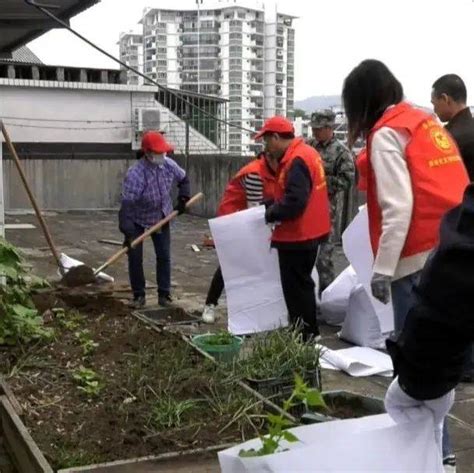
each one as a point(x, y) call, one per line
point(449, 464)
point(209, 314)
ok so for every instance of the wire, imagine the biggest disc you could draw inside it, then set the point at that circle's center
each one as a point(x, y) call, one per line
point(65, 120)
point(22, 125)
point(136, 71)
point(53, 120)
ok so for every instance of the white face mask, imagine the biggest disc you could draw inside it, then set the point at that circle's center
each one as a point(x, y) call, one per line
point(156, 158)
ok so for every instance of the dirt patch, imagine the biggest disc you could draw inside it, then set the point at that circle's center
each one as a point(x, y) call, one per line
point(79, 276)
point(109, 387)
point(347, 408)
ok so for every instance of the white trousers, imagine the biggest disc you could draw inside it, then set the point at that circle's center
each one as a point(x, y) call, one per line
point(402, 408)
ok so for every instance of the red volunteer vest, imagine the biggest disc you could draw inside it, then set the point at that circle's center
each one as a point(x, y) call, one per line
point(314, 222)
point(361, 165)
point(234, 198)
point(438, 177)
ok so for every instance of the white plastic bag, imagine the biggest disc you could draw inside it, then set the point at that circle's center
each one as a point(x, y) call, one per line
point(362, 326)
point(335, 298)
point(255, 301)
point(373, 444)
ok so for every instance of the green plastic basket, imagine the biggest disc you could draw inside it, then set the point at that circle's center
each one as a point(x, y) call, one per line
point(225, 353)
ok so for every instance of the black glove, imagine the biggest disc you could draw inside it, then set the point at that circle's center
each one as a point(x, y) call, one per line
point(268, 202)
point(127, 242)
point(380, 286)
point(181, 205)
point(269, 217)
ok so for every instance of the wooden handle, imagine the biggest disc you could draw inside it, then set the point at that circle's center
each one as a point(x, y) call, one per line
point(145, 235)
point(37, 210)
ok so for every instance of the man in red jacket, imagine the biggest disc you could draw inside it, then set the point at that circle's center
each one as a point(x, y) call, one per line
point(252, 185)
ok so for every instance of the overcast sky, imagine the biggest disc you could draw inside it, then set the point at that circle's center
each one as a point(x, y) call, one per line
point(418, 39)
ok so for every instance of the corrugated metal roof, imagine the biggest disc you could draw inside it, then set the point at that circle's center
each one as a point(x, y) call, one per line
point(20, 23)
point(24, 55)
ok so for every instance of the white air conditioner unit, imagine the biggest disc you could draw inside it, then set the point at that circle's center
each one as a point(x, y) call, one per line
point(152, 119)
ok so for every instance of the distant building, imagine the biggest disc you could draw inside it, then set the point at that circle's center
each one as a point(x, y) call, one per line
point(131, 53)
point(233, 50)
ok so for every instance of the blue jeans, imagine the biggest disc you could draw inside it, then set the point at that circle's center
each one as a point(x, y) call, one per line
point(161, 243)
point(403, 299)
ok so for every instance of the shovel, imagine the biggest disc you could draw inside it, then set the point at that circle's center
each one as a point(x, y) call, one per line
point(81, 275)
point(32, 198)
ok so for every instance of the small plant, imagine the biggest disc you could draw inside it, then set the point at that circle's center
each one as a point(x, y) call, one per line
point(70, 320)
point(168, 412)
point(220, 338)
point(271, 442)
point(278, 354)
point(19, 320)
point(88, 381)
point(87, 343)
point(68, 456)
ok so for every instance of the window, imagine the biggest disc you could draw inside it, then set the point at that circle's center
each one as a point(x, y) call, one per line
point(208, 64)
point(235, 76)
point(235, 51)
point(208, 76)
point(209, 89)
point(168, 16)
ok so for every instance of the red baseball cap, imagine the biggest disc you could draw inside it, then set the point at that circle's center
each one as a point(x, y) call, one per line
point(275, 124)
point(155, 142)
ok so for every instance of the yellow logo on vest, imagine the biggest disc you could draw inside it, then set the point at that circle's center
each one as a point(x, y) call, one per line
point(441, 139)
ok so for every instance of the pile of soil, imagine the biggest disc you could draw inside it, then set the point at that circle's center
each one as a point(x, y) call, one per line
point(344, 408)
point(157, 394)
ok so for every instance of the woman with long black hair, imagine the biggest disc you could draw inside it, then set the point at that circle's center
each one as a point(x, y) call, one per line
point(414, 176)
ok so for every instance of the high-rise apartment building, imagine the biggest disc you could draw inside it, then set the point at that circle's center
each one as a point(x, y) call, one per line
point(233, 50)
point(131, 53)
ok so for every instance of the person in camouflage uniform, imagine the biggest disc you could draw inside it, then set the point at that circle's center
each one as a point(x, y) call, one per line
point(339, 169)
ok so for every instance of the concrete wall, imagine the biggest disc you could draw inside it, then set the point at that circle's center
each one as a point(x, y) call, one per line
point(65, 112)
point(78, 184)
point(56, 115)
point(73, 184)
point(66, 184)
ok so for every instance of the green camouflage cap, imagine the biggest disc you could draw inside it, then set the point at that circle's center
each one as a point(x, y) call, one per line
point(322, 118)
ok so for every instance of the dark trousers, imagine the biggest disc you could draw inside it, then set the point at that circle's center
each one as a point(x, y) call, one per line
point(469, 369)
point(216, 288)
point(161, 243)
point(298, 288)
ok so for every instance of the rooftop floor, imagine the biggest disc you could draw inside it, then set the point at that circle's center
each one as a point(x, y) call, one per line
point(77, 235)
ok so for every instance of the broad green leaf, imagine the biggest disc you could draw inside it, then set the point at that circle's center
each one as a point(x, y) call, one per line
point(275, 419)
point(315, 399)
point(289, 437)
